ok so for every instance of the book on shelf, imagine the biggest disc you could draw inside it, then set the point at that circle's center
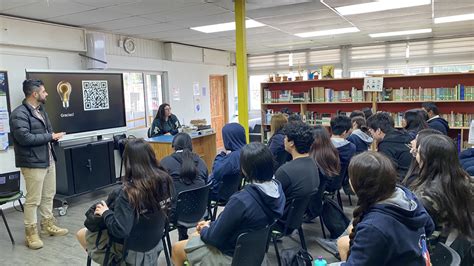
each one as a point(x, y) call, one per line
point(454, 119)
point(316, 95)
point(457, 93)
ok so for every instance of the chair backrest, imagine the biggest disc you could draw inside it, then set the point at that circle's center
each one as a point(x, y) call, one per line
point(296, 212)
point(192, 204)
point(250, 248)
point(229, 185)
point(444, 255)
point(150, 227)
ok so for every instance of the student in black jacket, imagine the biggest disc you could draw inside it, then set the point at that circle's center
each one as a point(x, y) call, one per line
point(146, 189)
point(435, 121)
point(391, 142)
point(258, 205)
point(276, 144)
point(187, 170)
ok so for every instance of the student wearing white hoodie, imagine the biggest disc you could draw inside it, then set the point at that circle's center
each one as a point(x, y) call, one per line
point(360, 134)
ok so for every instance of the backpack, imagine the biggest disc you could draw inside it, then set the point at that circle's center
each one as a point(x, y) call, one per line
point(296, 257)
point(333, 217)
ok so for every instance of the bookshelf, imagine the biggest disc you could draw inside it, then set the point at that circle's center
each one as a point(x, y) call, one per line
point(318, 100)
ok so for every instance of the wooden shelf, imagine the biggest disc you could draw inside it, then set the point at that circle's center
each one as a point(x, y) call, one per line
point(402, 102)
point(457, 128)
point(318, 103)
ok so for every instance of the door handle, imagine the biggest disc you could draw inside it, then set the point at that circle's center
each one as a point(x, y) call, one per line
point(89, 165)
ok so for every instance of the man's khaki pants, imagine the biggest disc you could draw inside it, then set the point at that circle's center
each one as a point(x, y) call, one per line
point(40, 191)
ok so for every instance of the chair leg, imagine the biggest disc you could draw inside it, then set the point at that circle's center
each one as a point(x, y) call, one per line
point(214, 214)
point(168, 238)
point(350, 200)
point(21, 205)
point(89, 261)
point(339, 200)
point(322, 226)
point(301, 234)
point(6, 225)
point(165, 249)
point(276, 250)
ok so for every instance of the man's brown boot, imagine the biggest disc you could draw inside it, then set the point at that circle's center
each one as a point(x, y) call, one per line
point(49, 227)
point(32, 238)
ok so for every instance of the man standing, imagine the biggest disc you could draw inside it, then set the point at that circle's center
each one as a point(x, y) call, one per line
point(435, 121)
point(34, 155)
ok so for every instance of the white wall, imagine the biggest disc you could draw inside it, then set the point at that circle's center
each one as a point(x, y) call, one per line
point(147, 58)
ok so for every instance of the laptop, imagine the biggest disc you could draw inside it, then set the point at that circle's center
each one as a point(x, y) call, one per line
point(9, 184)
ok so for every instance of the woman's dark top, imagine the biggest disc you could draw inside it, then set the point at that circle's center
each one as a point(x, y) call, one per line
point(159, 127)
point(276, 144)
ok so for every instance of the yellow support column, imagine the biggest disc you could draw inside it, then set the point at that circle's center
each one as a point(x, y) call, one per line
point(241, 58)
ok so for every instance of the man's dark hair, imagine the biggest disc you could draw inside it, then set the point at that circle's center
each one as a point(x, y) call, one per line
point(301, 134)
point(295, 117)
point(382, 120)
point(430, 106)
point(367, 112)
point(356, 113)
point(256, 162)
point(31, 85)
point(339, 124)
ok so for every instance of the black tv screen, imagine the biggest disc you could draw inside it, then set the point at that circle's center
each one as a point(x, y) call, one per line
point(83, 101)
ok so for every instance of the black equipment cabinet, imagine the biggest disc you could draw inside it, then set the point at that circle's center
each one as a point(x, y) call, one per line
point(84, 165)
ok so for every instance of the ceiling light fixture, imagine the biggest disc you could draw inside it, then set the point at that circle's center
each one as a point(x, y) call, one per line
point(327, 32)
point(379, 6)
point(399, 33)
point(454, 18)
point(249, 23)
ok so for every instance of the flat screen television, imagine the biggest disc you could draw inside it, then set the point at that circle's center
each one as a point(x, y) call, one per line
point(83, 104)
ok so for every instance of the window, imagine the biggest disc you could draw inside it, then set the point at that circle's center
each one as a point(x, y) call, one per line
point(254, 91)
point(154, 93)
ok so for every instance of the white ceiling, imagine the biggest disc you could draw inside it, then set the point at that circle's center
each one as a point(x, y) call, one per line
point(170, 20)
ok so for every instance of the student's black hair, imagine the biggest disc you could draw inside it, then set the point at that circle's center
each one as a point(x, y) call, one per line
point(361, 123)
point(30, 86)
point(381, 120)
point(182, 142)
point(339, 124)
point(161, 112)
point(256, 162)
point(295, 117)
point(445, 182)
point(324, 153)
point(356, 113)
point(422, 113)
point(367, 112)
point(414, 169)
point(301, 134)
point(430, 106)
point(373, 178)
point(415, 121)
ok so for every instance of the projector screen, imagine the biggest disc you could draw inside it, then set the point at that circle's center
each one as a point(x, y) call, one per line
point(80, 102)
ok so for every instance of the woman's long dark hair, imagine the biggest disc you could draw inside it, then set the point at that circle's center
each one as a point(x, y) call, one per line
point(324, 153)
point(443, 180)
point(415, 120)
point(183, 142)
point(161, 112)
point(373, 179)
point(414, 169)
point(146, 183)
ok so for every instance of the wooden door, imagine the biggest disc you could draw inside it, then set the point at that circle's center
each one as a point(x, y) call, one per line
point(218, 94)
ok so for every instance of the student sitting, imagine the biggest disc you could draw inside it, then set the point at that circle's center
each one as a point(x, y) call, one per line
point(276, 143)
point(391, 142)
point(299, 177)
point(390, 225)
point(258, 205)
point(413, 122)
point(326, 157)
point(360, 135)
point(226, 164)
point(467, 160)
point(435, 121)
point(146, 191)
point(340, 127)
point(187, 170)
point(444, 187)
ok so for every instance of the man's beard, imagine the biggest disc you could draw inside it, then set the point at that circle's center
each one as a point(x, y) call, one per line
point(43, 101)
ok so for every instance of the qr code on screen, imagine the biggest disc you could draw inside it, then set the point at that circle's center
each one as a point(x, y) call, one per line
point(95, 94)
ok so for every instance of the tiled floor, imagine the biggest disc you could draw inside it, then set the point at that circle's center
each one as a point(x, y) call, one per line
point(67, 251)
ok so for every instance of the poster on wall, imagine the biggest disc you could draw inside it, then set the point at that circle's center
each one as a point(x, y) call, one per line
point(176, 94)
point(197, 104)
point(196, 91)
point(4, 111)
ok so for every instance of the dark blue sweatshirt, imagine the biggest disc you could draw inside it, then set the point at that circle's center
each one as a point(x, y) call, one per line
point(346, 150)
point(394, 145)
point(392, 232)
point(467, 160)
point(245, 212)
point(439, 124)
point(276, 144)
point(361, 140)
point(227, 164)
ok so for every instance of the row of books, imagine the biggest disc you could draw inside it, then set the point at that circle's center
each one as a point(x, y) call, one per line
point(454, 119)
point(316, 95)
point(458, 93)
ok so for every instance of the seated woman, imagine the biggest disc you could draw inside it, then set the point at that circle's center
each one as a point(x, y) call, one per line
point(165, 123)
point(467, 160)
point(258, 205)
point(444, 187)
point(276, 143)
point(360, 135)
point(187, 170)
point(227, 163)
point(146, 191)
point(413, 121)
point(390, 225)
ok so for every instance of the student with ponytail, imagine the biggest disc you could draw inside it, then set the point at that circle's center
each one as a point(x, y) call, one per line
point(390, 225)
point(360, 135)
point(187, 170)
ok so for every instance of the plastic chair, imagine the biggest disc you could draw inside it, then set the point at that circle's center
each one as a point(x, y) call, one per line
point(228, 186)
point(443, 255)
point(191, 207)
point(294, 220)
point(250, 248)
point(5, 200)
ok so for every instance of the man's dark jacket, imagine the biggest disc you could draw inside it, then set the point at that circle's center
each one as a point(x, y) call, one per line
point(31, 137)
